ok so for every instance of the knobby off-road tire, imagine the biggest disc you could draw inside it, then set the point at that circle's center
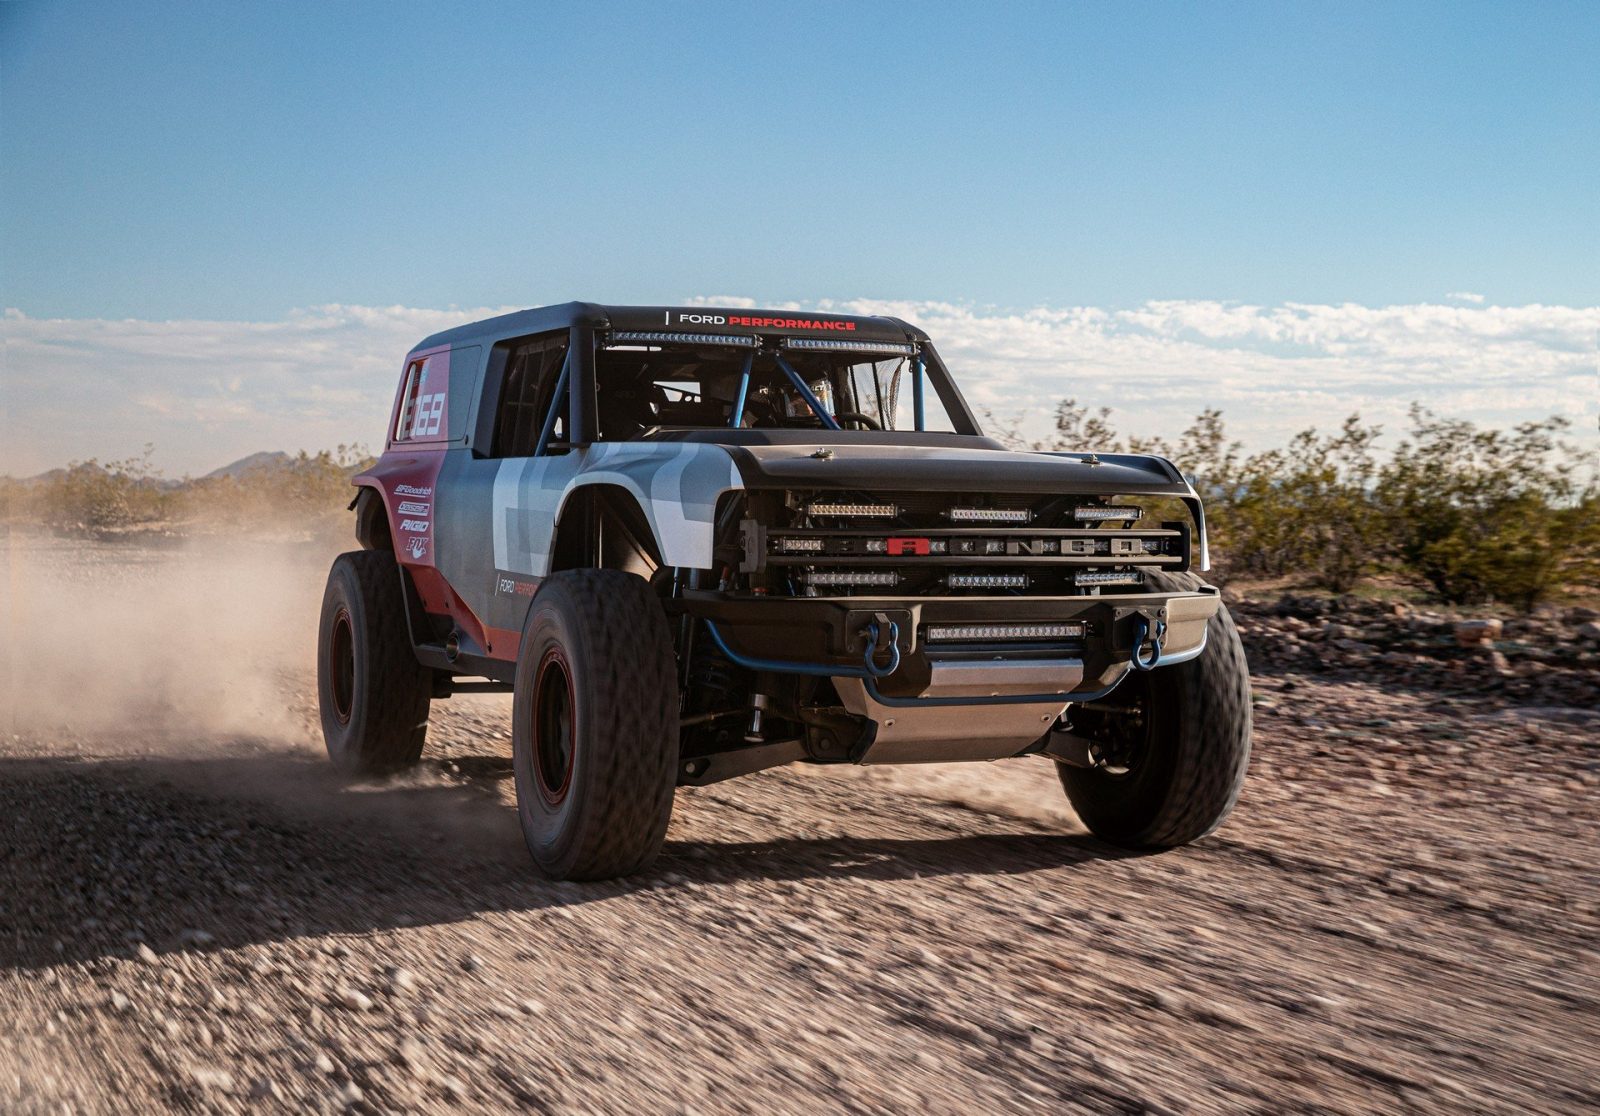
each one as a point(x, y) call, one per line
point(595, 725)
point(372, 691)
point(1190, 764)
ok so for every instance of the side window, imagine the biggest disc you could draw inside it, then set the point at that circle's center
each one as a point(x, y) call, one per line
point(526, 396)
point(422, 401)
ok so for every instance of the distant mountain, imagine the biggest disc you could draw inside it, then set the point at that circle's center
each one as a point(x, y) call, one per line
point(256, 461)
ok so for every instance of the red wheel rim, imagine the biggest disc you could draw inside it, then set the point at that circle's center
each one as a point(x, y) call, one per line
point(553, 708)
point(342, 666)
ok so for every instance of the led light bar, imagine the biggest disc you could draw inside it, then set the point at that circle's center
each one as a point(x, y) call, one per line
point(952, 633)
point(859, 511)
point(1108, 577)
point(1089, 514)
point(796, 546)
point(987, 581)
point(659, 337)
point(990, 515)
point(848, 346)
point(850, 577)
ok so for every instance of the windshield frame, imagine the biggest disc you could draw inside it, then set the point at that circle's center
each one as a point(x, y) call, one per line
point(922, 363)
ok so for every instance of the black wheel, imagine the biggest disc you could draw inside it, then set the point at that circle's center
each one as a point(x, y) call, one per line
point(595, 725)
point(1175, 743)
point(372, 691)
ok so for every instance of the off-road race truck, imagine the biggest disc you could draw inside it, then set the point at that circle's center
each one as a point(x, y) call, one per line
point(695, 543)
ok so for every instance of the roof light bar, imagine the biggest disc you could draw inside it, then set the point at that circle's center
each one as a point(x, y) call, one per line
point(1108, 577)
point(987, 581)
point(848, 346)
point(858, 511)
point(990, 515)
point(850, 577)
point(1090, 514)
point(659, 337)
point(955, 633)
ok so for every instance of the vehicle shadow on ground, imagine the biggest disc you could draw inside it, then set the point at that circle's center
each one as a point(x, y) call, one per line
point(227, 851)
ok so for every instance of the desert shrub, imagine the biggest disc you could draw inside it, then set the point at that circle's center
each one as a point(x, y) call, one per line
point(90, 497)
point(1491, 515)
point(303, 490)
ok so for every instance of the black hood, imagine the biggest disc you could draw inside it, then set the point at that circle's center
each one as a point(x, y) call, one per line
point(931, 462)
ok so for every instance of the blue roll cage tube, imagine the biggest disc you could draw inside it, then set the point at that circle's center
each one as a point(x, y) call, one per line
point(736, 416)
point(736, 419)
point(558, 406)
point(805, 392)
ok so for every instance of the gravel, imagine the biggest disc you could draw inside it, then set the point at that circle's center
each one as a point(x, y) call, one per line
point(1402, 914)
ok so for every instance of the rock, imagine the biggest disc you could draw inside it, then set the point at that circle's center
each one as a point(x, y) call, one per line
point(324, 1063)
point(472, 962)
point(146, 954)
point(264, 1089)
point(1589, 632)
point(1473, 633)
point(401, 981)
point(196, 937)
point(212, 1080)
point(351, 1094)
point(532, 1007)
point(120, 1003)
point(409, 1053)
point(355, 999)
point(1578, 614)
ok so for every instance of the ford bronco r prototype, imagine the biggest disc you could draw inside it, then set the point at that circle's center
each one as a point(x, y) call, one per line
point(695, 543)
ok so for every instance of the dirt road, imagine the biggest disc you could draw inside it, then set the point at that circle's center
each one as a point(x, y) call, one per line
point(1403, 914)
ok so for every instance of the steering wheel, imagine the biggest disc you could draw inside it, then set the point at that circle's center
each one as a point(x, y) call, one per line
point(866, 422)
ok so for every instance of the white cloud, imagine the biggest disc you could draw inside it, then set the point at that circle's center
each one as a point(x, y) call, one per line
point(205, 392)
point(1465, 296)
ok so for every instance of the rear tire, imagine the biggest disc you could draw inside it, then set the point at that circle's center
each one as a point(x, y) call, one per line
point(373, 693)
point(595, 725)
point(1190, 756)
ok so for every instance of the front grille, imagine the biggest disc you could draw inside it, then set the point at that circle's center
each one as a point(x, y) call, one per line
point(956, 544)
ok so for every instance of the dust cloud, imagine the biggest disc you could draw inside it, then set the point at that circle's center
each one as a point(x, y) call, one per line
point(192, 641)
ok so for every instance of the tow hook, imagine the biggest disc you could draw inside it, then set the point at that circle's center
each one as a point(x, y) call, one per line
point(1149, 627)
point(1142, 630)
point(883, 635)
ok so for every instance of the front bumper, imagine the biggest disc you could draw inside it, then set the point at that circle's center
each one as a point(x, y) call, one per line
point(821, 632)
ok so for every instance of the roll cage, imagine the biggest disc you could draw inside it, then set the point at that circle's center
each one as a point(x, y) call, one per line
point(591, 330)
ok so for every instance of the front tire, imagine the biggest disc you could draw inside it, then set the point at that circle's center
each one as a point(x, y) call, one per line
point(372, 692)
point(595, 725)
point(1179, 762)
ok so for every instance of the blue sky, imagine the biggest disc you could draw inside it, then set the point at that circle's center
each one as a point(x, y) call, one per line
point(221, 225)
point(239, 161)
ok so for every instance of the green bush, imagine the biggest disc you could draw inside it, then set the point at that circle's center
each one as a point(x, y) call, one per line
point(1490, 515)
point(93, 498)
